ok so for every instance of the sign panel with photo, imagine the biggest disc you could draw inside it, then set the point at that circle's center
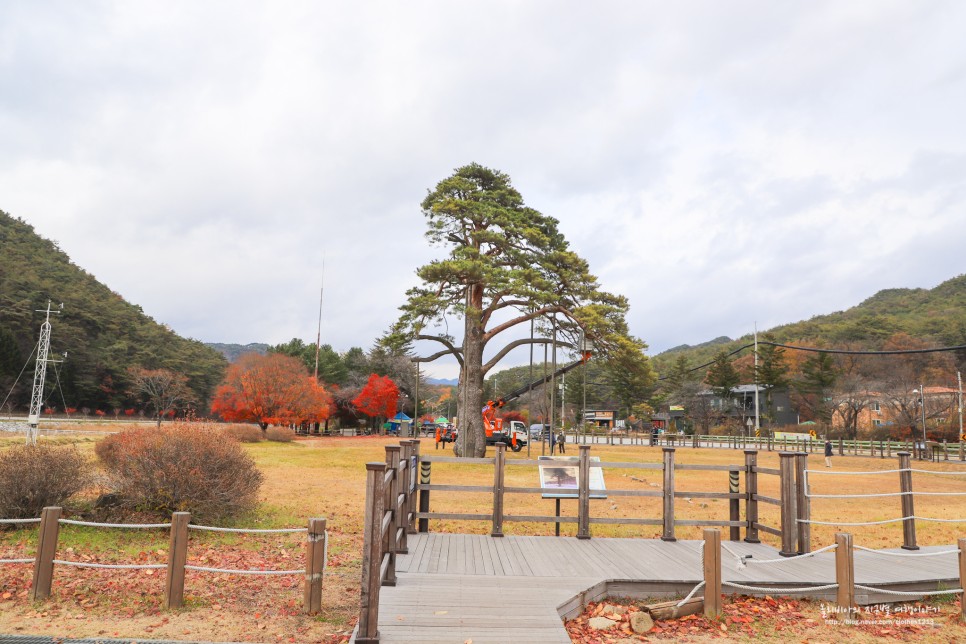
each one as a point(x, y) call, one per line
point(559, 474)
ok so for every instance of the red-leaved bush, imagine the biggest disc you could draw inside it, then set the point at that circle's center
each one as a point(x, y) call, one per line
point(181, 468)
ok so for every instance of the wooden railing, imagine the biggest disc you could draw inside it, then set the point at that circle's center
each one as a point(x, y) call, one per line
point(667, 494)
point(49, 531)
point(392, 487)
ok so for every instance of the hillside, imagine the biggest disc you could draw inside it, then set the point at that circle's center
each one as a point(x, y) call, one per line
point(936, 316)
point(233, 351)
point(102, 334)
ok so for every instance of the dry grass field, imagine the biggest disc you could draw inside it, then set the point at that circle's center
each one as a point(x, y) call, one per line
point(325, 477)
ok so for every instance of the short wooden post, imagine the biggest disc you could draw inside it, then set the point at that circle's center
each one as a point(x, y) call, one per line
point(499, 472)
point(412, 480)
point(425, 477)
point(945, 450)
point(802, 504)
point(583, 492)
point(734, 506)
point(315, 552)
point(392, 506)
point(789, 504)
point(46, 553)
point(751, 496)
point(368, 632)
point(841, 448)
point(844, 574)
point(881, 449)
point(668, 495)
point(962, 450)
point(908, 503)
point(889, 448)
point(177, 558)
point(712, 573)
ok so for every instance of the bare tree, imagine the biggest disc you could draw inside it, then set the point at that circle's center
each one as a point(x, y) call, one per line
point(850, 398)
point(161, 389)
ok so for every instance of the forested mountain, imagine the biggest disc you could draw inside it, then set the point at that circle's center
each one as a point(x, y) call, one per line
point(936, 317)
point(233, 351)
point(104, 336)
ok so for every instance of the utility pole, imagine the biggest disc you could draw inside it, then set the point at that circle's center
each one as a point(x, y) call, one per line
point(40, 374)
point(959, 381)
point(563, 391)
point(922, 410)
point(757, 423)
point(318, 335)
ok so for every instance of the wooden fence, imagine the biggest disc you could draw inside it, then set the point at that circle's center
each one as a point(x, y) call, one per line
point(932, 450)
point(392, 487)
point(46, 556)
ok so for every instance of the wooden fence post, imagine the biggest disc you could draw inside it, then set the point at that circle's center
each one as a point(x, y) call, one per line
point(392, 507)
point(412, 480)
point(177, 558)
point(789, 506)
point(402, 521)
point(712, 573)
point(962, 580)
point(368, 632)
point(844, 575)
point(668, 495)
point(499, 473)
point(315, 553)
point(583, 493)
point(751, 496)
point(734, 506)
point(803, 506)
point(908, 503)
point(46, 553)
point(425, 477)
point(841, 448)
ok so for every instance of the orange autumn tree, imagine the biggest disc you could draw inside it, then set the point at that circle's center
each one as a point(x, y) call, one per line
point(273, 389)
point(378, 398)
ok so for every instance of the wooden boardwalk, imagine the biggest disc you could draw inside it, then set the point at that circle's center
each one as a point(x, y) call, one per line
point(456, 587)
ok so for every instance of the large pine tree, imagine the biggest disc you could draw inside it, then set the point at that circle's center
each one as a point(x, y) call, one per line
point(506, 264)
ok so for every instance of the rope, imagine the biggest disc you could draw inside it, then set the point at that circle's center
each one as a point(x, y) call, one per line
point(918, 518)
point(20, 520)
point(246, 572)
point(936, 472)
point(15, 561)
point(111, 566)
point(863, 496)
point(900, 593)
point(758, 589)
point(690, 595)
point(854, 523)
point(908, 554)
point(91, 524)
point(245, 530)
point(874, 472)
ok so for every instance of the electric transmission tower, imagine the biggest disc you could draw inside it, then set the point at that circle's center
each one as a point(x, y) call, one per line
point(40, 374)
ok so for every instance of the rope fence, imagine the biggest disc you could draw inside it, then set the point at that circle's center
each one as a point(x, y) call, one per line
point(126, 526)
point(316, 554)
point(208, 528)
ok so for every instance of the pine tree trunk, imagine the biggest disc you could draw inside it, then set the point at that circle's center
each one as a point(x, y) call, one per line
point(474, 443)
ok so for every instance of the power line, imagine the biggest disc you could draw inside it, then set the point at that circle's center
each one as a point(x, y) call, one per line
point(894, 352)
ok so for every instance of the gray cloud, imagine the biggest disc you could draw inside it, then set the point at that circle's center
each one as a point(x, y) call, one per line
point(718, 164)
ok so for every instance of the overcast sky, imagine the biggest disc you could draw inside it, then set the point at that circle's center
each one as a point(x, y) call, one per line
point(719, 163)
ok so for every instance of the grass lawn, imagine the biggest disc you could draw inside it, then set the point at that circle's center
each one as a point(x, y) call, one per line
point(325, 477)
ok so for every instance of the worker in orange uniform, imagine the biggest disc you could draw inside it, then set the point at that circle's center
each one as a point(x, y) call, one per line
point(438, 437)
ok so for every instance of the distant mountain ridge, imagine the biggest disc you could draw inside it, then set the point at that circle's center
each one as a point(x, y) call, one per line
point(936, 316)
point(233, 351)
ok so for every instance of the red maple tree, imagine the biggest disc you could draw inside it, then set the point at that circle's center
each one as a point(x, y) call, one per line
point(378, 398)
point(273, 389)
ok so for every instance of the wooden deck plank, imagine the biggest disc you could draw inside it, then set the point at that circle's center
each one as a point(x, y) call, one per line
point(453, 588)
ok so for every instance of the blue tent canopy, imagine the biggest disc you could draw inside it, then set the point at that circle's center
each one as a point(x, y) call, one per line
point(400, 417)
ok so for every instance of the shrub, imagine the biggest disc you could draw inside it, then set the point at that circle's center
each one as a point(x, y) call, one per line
point(33, 477)
point(181, 468)
point(280, 434)
point(244, 433)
